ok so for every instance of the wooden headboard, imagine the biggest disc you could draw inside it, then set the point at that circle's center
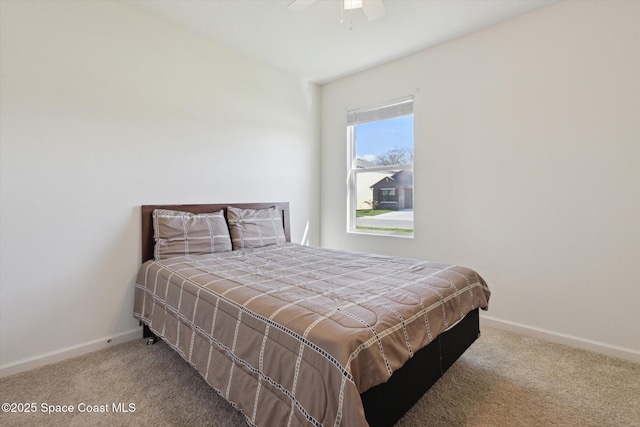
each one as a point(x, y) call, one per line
point(147, 219)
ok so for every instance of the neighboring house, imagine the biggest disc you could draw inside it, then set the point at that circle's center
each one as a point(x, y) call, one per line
point(365, 183)
point(394, 192)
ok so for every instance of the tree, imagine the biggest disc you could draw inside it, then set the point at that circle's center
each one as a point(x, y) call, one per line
point(395, 156)
point(372, 203)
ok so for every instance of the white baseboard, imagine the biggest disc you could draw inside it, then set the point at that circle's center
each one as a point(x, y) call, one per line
point(69, 352)
point(559, 338)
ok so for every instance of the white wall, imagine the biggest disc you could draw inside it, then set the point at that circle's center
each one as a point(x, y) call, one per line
point(104, 109)
point(527, 166)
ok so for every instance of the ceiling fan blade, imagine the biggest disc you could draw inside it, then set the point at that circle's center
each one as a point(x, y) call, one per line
point(374, 9)
point(299, 5)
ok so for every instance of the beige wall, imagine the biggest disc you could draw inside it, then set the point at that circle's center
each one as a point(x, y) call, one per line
point(104, 109)
point(527, 166)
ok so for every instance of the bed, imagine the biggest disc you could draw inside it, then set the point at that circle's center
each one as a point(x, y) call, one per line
point(295, 335)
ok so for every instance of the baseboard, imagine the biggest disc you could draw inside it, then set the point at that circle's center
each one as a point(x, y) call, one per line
point(69, 352)
point(559, 338)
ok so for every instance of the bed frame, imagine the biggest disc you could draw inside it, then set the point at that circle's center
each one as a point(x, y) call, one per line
point(383, 404)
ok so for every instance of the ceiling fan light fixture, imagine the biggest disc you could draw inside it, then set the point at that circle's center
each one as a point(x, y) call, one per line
point(351, 4)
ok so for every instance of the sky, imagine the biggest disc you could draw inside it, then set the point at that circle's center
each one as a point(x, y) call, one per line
point(375, 138)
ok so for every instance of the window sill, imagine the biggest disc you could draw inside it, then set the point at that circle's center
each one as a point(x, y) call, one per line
point(400, 234)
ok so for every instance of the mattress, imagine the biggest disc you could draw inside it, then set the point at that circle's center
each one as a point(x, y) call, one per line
point(291, 334)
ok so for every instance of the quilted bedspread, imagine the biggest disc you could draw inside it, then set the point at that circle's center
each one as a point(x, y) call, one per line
point(290, 334)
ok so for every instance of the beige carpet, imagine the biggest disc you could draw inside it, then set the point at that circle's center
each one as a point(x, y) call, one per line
point(504, 379)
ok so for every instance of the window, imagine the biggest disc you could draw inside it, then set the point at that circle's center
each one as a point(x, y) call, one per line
point(380, 185)
point(388, 194)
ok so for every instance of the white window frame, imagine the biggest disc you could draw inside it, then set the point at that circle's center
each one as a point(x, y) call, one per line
point(387, 110)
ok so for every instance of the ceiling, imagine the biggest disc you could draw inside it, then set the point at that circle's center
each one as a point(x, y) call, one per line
point(314, 45)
